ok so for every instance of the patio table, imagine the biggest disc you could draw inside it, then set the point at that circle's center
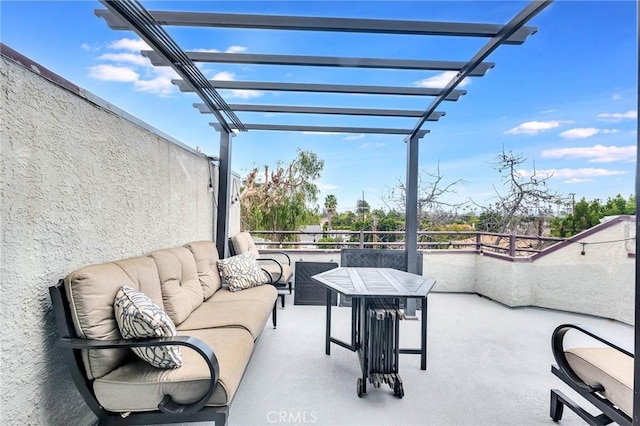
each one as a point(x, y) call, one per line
point(375, 315)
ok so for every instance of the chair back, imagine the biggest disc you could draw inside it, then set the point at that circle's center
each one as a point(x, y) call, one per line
point(242, 243)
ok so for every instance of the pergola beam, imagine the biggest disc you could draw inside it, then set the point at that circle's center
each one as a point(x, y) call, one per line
point(307, 23)
point(322, 61)
point(326, 129)
point(515, 24)
point(324, 88)
point(291, 109)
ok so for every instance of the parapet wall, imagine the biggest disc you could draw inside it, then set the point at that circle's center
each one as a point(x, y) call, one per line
point(81, 183)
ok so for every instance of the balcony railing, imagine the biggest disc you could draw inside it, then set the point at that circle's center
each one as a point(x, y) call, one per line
point(508, 244)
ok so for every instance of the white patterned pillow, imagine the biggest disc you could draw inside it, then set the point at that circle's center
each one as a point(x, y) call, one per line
point(139, 317)
point(242, 271)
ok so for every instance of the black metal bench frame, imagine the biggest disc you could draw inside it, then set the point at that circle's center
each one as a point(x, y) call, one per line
point(168, 411)
point(593, 394)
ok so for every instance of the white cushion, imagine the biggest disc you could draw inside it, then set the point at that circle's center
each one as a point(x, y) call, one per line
point(139, 317)
point(241, 272)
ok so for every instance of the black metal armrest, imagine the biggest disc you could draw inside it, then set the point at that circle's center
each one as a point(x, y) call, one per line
point(557, 347)
point(167, 405)
point(276, 252)
point(267, 272)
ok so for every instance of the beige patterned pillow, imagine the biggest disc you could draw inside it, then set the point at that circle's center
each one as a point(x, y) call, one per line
point(242, 271)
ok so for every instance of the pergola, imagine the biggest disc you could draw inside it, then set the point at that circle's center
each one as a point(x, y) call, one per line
point(149, 25)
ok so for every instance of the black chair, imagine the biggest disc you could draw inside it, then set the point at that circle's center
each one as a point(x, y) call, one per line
point(601, 375)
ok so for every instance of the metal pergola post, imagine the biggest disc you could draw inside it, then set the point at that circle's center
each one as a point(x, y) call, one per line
point(411, 215)
point(224, 192)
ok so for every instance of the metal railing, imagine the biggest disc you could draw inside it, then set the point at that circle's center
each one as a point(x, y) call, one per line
point(508, 244)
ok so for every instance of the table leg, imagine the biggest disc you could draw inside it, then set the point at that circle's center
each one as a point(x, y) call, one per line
point(423, 336)
point(327, 348)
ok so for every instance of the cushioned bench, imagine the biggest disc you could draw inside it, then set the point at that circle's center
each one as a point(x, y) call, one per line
point(603, 375)
point(215, 329)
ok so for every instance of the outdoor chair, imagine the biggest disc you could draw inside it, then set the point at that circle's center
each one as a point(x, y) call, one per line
point(602, 374)
point(280, 271)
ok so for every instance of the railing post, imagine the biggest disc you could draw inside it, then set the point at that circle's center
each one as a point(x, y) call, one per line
point(512, 245)
point(361, 239)
point(478, 241)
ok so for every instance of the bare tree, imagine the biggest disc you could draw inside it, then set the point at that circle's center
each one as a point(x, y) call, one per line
point(527, 203)
point(432, 192)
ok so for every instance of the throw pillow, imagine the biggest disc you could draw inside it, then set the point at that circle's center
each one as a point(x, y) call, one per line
point(242, 272)
point(139, 317)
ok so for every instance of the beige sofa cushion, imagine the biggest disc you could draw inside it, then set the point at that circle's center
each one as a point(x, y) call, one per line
point(243, 242)
point(265, 293)
point(252, 315)
point(608, 367)
point(181, 289)
point(137, 386)
point(206, 256)
point(92, 290)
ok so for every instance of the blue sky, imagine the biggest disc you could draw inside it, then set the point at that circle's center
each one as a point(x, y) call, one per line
point(566, 98)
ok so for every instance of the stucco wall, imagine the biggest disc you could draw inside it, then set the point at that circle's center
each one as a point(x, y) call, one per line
point(79, 185)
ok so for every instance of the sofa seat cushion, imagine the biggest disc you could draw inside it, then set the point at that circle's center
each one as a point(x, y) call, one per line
point(206, 256)
point(137, 386)
point(274, 271)
point(608, 367)
point(252, 315)
point(180, 284)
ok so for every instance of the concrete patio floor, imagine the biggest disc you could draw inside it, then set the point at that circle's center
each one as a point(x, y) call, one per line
point(487, 364)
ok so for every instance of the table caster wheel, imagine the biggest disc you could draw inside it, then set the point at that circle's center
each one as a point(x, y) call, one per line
point(360, 388)
point(398, 389)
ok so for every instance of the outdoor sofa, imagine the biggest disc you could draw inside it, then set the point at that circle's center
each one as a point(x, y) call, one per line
point(601, 373)
point(215, 329)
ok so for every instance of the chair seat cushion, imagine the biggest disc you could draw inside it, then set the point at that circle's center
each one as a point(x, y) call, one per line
point(264, 293)
point(274, 270)
point(137, 386)
point(608, 367)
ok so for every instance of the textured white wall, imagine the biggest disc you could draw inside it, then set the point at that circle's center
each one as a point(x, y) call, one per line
point(78, 185)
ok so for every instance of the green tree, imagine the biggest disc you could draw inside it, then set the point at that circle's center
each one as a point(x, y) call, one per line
point(283, 199)
point(330, 205)
point(588, 214)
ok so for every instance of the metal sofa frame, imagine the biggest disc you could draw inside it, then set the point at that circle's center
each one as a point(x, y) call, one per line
point(168, 410)
point(593, 394)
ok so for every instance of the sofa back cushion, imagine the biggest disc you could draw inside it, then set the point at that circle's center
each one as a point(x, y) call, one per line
point(92, 290)
point(179, 282)
point(242, 243)
point(206, 256)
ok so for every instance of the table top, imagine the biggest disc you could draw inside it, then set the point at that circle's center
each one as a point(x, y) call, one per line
point(375, 282)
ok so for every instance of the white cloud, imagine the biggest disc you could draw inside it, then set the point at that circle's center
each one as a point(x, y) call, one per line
point(131, 58)
point(577, 180)
point(535, 127)
point(616, 97)
point(617, 116)
point(585, 132)
point(224, 76)
point(322, 133)
point(326, 186)
point(548, 111)
point(595, 154)
point(113, 73)
point(583, 173)
point(129, 44)
point(440, 81)
point(206, 50)
point(353, 137)
point(236, 49)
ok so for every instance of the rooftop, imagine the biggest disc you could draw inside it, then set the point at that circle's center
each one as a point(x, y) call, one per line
point(487, 364)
